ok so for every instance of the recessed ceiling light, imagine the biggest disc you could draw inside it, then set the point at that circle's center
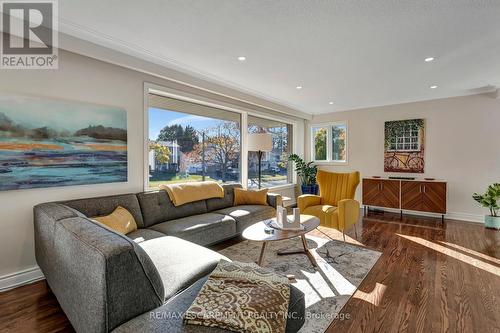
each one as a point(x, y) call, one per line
point(429, 59)
point(331, 103)
point(298, 87)
point(433, 87)
point(242, 58)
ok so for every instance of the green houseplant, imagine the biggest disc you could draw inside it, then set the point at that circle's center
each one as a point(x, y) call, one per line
point(490, 201)
point(307, 173)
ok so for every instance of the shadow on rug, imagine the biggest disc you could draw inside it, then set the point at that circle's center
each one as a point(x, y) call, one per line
point(342, 268)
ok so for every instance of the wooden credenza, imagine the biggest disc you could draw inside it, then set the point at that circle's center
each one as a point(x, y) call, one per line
point(414, 195)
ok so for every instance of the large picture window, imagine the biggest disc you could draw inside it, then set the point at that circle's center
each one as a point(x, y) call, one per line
point(196, 142)
point(329, 142)
point(275, 167)
point(204, 144)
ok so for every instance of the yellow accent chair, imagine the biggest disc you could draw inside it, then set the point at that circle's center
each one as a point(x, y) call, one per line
point(335, 206)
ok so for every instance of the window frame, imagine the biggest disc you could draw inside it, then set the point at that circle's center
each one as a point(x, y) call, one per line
point(329, 142)
point(151, 88)
point(403, 137)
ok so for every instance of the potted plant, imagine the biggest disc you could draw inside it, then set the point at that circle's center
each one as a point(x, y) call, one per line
point(307, 173)
point(490, 201)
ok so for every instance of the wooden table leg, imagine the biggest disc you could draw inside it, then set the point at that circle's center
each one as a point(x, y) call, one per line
point(262, 251)
point(308, 252)
point(305, 251)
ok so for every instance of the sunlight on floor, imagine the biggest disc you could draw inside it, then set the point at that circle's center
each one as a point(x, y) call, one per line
point(337, 235)
point(325, 282)
point(472, 252)
point(454, 254)
point(374, 297)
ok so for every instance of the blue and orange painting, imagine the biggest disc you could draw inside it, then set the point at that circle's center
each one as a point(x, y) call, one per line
point(47, 142)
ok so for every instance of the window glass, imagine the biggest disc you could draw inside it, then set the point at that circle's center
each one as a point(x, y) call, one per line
point(275, 168)
point(339, 135)
point(319, 136)
point(193, 147)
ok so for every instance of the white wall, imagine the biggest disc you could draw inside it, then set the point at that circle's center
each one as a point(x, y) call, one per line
point(462, 144)
point(79, 78)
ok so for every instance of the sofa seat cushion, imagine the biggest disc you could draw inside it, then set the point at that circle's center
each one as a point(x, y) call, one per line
point(246, 215)
point(168, 317)
point(203, 229)
point(180, 263)
point(142, 235)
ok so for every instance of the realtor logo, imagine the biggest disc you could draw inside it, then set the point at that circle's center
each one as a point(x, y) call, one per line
point(29, 38)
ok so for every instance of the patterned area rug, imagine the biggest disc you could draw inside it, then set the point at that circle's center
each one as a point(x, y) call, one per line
point(342, 268)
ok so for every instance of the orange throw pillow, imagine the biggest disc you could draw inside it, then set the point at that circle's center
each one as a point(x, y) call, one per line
point(248, 197)
point(120, 221)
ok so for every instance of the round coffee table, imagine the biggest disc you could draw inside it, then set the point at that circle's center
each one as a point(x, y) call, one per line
point(257, 232)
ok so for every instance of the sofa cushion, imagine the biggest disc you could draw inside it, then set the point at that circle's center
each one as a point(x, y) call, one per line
point(250, 197)
point(168, 317)
point(101, 206)
point(227, 201)
point(141, 235)
point(179, 263)
point(157, 207)
point(120, 221)
point(203, 229)
point(247, 215)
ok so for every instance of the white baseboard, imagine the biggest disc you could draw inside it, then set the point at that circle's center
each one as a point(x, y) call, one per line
point(451, 215)
point(18, 279)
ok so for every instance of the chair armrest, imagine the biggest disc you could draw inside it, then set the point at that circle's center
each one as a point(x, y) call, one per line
point(307, 200)
point(274, 200)
point(348, 210)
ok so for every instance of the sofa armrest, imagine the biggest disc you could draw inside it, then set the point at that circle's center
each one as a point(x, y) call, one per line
point(348, 210)
point(307, 200)
point(274, 200)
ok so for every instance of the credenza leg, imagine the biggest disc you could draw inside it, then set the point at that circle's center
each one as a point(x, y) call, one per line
point(401, 214)
point(442, 218)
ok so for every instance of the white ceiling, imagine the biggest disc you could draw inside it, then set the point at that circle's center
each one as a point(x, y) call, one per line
point(355, 53)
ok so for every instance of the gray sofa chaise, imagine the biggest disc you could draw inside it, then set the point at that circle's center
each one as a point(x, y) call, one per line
point(143, 281)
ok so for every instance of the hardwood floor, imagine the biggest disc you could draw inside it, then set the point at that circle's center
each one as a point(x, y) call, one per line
point(431, 277)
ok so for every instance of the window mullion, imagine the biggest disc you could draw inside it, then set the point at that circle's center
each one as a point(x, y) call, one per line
point(329, 146)
point(244, 149)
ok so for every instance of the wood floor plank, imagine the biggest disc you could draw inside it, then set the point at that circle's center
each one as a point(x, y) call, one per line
point(431, 277)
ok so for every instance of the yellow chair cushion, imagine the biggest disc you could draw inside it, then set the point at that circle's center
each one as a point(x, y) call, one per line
point(248, 197)
point(328, 215)
point(120, 221)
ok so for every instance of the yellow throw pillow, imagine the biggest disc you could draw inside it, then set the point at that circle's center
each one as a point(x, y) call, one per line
point(120, 221)
point(248, 197)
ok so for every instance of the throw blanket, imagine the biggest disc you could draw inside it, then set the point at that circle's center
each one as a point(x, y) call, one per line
point(181, 194)
point(242, 297)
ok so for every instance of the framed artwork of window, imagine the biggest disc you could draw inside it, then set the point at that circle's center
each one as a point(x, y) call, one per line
point(404, 146)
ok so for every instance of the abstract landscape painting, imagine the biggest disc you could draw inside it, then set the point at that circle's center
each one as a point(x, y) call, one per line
point(47, 142)
point(404, 146)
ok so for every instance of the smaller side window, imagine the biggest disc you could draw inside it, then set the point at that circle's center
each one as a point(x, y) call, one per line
point(329, 142)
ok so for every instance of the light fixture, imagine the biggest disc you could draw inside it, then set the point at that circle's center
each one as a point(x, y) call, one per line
point(429, 59)
point(298, 87)
point(331, 103)
point(433, 87)
point(242, 58)
point(260, 142)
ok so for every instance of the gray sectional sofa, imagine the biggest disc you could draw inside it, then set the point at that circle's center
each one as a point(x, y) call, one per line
point(144, 281)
